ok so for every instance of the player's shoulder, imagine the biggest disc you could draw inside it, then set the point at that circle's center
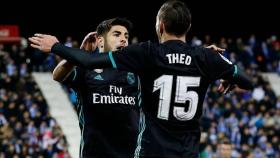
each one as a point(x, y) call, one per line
point(148, 44)
point(198, 51)
point(138, 47)
point(211, 56)
point(204, 52)
point(201, 49)
point(147, 47)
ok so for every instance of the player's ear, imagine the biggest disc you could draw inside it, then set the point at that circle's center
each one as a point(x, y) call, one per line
point(100, 41)
point(161, 27)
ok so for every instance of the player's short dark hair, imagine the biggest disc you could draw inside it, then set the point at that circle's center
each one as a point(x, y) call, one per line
point(224, 141)
point(105, 26)
point(176, 17)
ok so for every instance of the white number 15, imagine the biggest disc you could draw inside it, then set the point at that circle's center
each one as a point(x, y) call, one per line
point(164, 83)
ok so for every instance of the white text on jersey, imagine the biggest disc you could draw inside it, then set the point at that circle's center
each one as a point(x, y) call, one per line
point(177, 58)
point(115, 97)
point(115, 89)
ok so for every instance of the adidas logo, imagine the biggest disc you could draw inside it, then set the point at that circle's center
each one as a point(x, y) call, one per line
point(98, 77)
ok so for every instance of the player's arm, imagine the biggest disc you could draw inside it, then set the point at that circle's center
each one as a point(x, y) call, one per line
point(218, 67)
point(240, 78)
point(64, 68)
point(215, 48)
point(82, 58)
point(224, 86)
point(78, 57)
point(131, 58)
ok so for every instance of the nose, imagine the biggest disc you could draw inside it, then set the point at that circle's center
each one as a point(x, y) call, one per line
point(124, 40)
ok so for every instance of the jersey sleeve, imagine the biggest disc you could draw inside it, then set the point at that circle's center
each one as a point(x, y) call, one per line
point(134, 58)
point(217, 66)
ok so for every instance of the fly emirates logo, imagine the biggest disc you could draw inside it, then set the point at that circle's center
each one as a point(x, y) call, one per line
point(116, 97)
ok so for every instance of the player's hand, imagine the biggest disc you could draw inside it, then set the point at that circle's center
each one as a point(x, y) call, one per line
point(215, 48)
point(90, 42)
point(225, 86)
point(43, 42)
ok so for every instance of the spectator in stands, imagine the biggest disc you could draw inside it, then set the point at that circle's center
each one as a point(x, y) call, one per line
point(224, 149)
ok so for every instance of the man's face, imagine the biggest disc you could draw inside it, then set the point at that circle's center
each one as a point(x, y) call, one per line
point(225, 150)
point(116, 38)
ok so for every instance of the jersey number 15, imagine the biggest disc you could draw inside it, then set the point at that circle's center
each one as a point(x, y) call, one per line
point(164, 84)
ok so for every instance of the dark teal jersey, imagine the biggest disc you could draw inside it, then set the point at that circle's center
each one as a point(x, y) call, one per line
point(108, 110)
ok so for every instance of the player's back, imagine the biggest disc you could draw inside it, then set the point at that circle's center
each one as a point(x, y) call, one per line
point(108, 112)
point(173, 94)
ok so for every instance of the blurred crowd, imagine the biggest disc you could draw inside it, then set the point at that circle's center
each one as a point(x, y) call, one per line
point(26, 126)
point(260, 54)
point(249, 121)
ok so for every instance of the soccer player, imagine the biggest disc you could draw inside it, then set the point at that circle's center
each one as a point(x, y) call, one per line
point(107, 98)
point(174, 79)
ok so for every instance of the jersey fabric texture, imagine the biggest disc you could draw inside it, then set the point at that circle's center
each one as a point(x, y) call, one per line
point(174, 78)
point(108, 111)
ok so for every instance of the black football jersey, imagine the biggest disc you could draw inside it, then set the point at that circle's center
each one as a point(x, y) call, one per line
point(108, 110)
point(174, 79)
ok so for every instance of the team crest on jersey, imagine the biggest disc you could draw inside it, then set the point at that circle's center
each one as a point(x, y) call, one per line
point(130, 78)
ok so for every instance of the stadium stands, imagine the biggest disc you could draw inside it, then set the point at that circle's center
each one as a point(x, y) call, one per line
point(249, 120)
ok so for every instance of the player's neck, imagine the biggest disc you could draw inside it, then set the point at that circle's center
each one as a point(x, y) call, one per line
point(101, 50)
point(166, 37)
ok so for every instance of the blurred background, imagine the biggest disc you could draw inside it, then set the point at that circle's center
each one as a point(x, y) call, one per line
point(218, 18)
point(32, 123)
